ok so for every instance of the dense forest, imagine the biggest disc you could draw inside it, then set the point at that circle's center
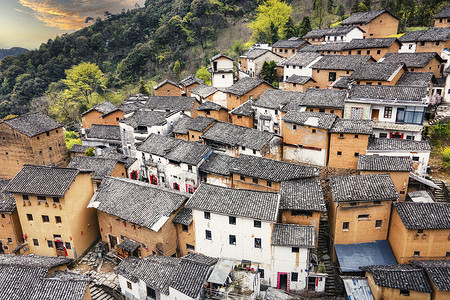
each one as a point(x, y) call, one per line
point(170, 38)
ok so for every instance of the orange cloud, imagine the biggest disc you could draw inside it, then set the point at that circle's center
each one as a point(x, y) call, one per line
point(71, 14)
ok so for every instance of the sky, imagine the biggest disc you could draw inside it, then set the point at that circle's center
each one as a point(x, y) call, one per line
point(28, 23)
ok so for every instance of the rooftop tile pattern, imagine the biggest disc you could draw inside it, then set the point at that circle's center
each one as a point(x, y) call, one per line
point(352, 126)
point(217, 163)
point(335, 31)
point(244, 85)
point(302, 194)
point(32, 124)
point(421, 79)
point(254, 53)
point(294, 235)
point(385, 163)
point(184, 217)
point(341, 62)
point(308, 118)
point(438, 271)
point(323, 47)
point(302, 59)
point(190, 80)
point(103, 132)
point(417, 215)
point(274, 99)
point(299, 79)
point(377, 144)
point(146, 118)
point(245, 109)
point(363, 17)
point(377, 71)
point(388, 92)
point(433, 34)
point(101, 167)
point(170, 103)
point(104, 108)
point(411, 60)
point(204, 90)
point(369, 43)
point(209, 105)
point(164, 82)
point(7, 200)
point(289, 43)
point(444, 13)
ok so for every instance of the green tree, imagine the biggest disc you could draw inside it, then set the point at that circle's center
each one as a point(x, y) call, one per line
point(368, 4)
point(304, 27)
point(273, 34)
point(340, 10)
point(359, 6)
point(238, 48)
point(330, 6)
point(143, 89)
point(270, 12)
point(177, 70)
point(269, 72)
point(203, 74)
point(318, 13)
point(289, 29)
point(90, 152)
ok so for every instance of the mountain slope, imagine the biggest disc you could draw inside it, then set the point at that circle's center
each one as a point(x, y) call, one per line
point(12, 52)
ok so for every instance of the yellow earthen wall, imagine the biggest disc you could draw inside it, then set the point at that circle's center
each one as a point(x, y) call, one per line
point(348, 146)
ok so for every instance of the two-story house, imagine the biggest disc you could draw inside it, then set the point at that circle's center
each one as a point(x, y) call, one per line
point(417, 61)
point(438, 273)
point(213, 110)
point(102, 136)
point(305, 136)
point(376, 47)
point(442, 19)
point(375, 24)
point(30, 139)
point(184, 225)
point(334, 35)
point(216, 169)
point(221, 70)
point(245, 89)
point(251, 61)
point(167, 88)
point(182, 104)
point(243, 115)
point(11, 236)
point(135, 218)
point(189, 83)
point(379, 73)
point(300, 64)
point(288, 48)
point(434, 39)
point(190, 129)
point(420, 231)
point(52, 207)
point(104, 113)
point(318, 100)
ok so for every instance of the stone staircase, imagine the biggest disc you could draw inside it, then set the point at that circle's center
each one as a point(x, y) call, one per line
point(101, 292)
point(443, 194)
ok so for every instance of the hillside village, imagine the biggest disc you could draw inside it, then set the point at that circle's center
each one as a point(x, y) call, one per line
point(319, 188)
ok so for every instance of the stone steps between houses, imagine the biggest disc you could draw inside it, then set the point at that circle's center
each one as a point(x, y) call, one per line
point(443, 194)
point(99, 292)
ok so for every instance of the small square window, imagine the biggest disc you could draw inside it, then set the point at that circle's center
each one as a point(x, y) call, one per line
point(331, 111)
point(295, 249)
point(269, 183)
point(242, 178)
point(129, 285)
point(254, 152)
point(356, 136)
point(68, 246)
point(55, 200)
point(257, 224)
point(419, 230)
point(376, 202)
point(353, 203)
point(294, 276)
point(207, 215)
point(261, 273)
point(378, 223)
point(257, 243)
point(29, 217)
point(48, 133)
point(415, 158)
point(3, 216)
point(208, 234)
point(294, 127)
point(359, 52)
point(341, 135)
point(356, 154)
point(42, 198)
point(363, 217)
point(346, 226)
point(368, 51)
point(404, 292)
point(190, 247)
point(322, 110)
point(232, 220)
point(416, 253)
point(339, 153)
point(50, 244)
point(255, 180)
point(243, 148)
point(232, 239)
point(35, 242)
point(184, 228)
point(45, 219)
point(378, 51)
point(9, 240)
point(58, 219)
point(313, 131)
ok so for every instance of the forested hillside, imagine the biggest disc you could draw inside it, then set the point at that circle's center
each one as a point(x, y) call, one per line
point(11, 52)
point(168, 38)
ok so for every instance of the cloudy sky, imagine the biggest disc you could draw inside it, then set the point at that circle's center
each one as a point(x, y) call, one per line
point(28, 23)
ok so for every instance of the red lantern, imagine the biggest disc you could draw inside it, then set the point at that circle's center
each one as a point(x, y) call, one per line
point(25, 236)
point(81, 232)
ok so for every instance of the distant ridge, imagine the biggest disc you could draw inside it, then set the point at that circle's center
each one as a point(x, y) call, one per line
point(14, 51)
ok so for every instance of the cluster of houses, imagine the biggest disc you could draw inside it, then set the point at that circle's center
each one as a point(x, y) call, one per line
point(199, 187)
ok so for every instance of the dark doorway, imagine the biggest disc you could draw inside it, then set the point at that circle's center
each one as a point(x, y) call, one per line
point(311, 283)
point(112, 241)
point(59, 245)
point(283, 282)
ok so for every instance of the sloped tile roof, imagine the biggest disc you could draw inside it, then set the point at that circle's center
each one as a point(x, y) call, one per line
point(128, 245)
point(343, 82)
point(219, 56)
point(204, 90)
point(274, 99)
point(377, 144)
point(270, 169)
point(254, 53)
point(420, 79)
point(235, 202)
point(388, 92)
point(7, 200)
point(42, 180)
point(186, 123)
point(289, 43)
point(217, 163)
point(137, 202)
point(369, 43)
point(308, 118)
point(302, 59)
point(444, 13)
point(336, 31)
point(170, 103)
point(244, 85)
point(417, 215)
point(323, 47)
point(234, 135)
point(32, 260)
point(323, 98)
point(164, 82)
point(104, 132)
point(146, 118)
point(405, 277)
point(411, 36)
point(32, 124)
point(438, 271)
point(303, 236)
point(209, 105)
point(299, 79)
point(384, 163)
point(433, 34)
point(101, 167)
point(341, 62)
point(377, 71)
point(245, 109)
point(363, 17)
point(411, 60)
point(352, 126)
point(104, 108)
point(190, 80)
point(183, 217)
point(182, 126)
point(302, 194)
point(130, 107)
point(363, 188)
point(79, 148)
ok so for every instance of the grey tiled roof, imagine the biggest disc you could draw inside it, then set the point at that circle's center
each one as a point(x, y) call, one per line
point(444, 13)
point(174, 149)
point(323, 98)
point(183, 217)
point(343, 82)
point(352, 126)
point(104, 108)
point(170, 103)
point(377, 144)
point(101, 167)
point(270, 169)
point(219, 56)
point(417, 215)
point(433, 34)
point(385, 163)
point(416, 79)
point(190, 80)
point(200, 258)
point(42, 180)
point(204, 90)
point(388, 92)
point(294, 235)
point(33, 260)
point(244, 85)
point(186, 123)
point(130, 107)
point(128, 245)
point(254, 53)
point(411, 36)
point(438, 271)
point(323, 47)
point(369, 43)
point(164, 82)
point(411, 60)
point(137, 202)
point(274, 99)
point(363, 188)
point(299, 79)
point(32, 124)
point(313, 119)
point(146, 118)
point(363, 17)
point(289, 43)
point(404, 277)
point(79, 148)
point(302, 194)
point(245, 109)
point(104, 132)
point(235, 202)
point(341, 62)
point(209, 105)
point(7, 200)
point(217, 163)
point(234, 135)
point(182, 126)
point(302, 59)
point(336, 31)
point(376, 71)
